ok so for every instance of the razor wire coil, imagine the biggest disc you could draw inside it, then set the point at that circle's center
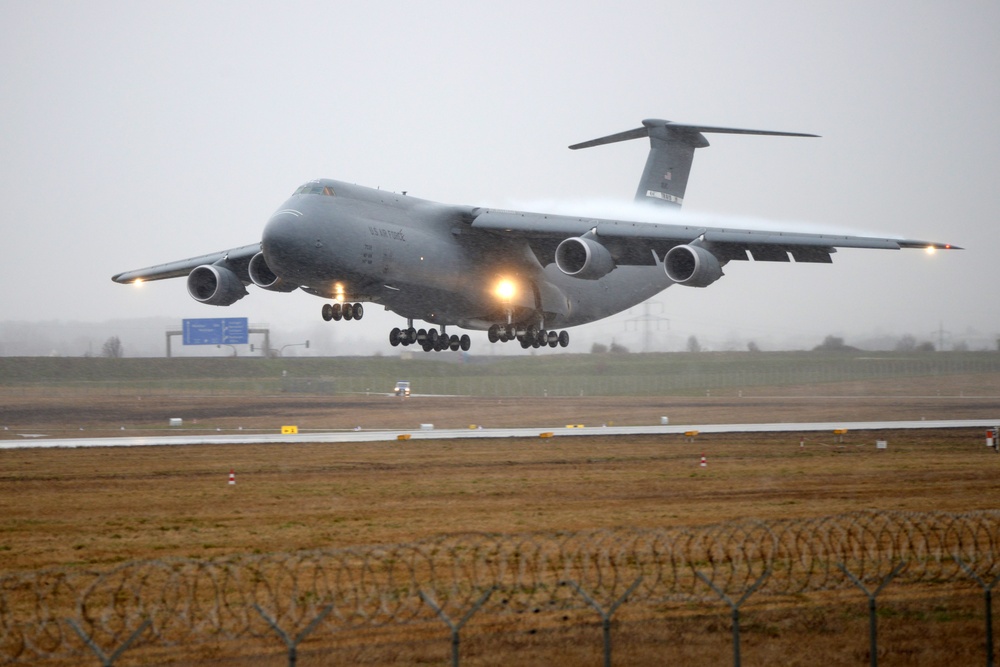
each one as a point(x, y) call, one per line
point(187, 601)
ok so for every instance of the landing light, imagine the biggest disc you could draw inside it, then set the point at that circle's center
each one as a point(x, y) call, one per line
point(137, 282)
point(505, 290)
point(931, 250)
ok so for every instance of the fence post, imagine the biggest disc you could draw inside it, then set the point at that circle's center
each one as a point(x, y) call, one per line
point(988, 597)
point(872, 622)
point(456, 627)
point(293, 645)
point(605, 616)
point(735, 607)
point(108, 660)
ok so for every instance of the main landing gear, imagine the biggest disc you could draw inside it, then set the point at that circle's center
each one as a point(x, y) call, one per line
point(530, 336)
point(343, 311)
point(429, 339)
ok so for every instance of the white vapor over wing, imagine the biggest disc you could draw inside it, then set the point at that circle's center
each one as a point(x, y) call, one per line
point(632, 211)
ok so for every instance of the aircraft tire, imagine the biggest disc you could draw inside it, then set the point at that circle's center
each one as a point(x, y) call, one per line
point(454, 343)
point(347, 311)
point(465, 342)
point(358, 311)
point(493, 333)
point(327, 312)
point(563, 338)
point(338, 311)
point(394, 337)
point(411, 336)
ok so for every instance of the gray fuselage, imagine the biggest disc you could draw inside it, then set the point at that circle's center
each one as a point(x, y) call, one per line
point(423, 261)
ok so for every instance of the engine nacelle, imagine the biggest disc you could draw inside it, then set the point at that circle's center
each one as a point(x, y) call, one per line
point(215, 285)
point(263, 277)
point(583, 257)
point(692, 265)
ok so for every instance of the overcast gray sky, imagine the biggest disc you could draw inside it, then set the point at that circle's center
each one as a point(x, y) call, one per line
point(136, 133)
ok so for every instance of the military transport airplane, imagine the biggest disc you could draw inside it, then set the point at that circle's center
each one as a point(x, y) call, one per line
point(517, 275)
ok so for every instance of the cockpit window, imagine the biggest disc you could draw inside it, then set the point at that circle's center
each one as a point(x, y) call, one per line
point(315, 189)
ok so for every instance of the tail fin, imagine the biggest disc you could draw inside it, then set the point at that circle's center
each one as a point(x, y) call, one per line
point(671, 151)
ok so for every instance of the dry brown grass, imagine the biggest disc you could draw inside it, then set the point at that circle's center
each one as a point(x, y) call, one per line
point(95, 507)
point(102, 505)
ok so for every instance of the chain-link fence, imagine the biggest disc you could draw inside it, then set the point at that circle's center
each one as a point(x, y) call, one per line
point(76, 614)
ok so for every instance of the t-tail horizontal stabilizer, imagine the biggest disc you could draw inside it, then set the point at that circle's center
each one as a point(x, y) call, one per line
point(671, 151)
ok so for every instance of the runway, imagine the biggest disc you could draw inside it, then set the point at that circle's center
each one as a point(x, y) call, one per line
point(274, 437)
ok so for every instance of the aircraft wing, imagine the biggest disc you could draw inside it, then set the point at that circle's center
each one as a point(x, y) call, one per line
point(236, 259)
point(631, 242)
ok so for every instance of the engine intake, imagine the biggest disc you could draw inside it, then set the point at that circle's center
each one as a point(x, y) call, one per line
point(583, 257)
point(692, 265)
point(263, 277)
point(215, 285)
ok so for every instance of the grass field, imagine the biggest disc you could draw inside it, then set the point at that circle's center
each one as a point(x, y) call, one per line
point(98, 507)
point(102, 506)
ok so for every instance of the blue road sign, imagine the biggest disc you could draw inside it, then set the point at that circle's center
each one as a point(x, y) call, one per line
point(216, 331)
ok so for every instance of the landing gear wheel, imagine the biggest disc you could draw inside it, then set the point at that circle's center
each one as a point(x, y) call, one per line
point(563, 338)
point(552, 338)
point(348, 311)
point(433, 336)
point(525, 342)
point(327, 311)
point(337, 311)
point(358, 311)
point(465, 342)
point(394, 337)
point(411, 336)
point(493, 333)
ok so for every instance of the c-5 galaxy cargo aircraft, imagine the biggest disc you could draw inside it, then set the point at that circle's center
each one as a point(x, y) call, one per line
point(517, 275)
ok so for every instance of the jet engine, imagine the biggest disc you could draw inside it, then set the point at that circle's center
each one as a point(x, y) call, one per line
point(263, 277)
point(692, 265)
point(215, 285)
point(583, 257)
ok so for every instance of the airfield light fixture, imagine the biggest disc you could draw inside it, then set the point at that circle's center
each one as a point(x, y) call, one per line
point(505, 289)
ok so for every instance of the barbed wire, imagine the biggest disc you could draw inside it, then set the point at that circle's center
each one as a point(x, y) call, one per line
point(175, 602)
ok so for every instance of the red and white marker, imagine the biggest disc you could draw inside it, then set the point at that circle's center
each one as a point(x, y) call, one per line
point(704, 463)
point(232, 476)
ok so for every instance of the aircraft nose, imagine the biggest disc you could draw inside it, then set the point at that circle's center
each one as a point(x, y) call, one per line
point(282, 237)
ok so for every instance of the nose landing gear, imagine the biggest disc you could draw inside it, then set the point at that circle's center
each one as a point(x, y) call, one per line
point(347, 311)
